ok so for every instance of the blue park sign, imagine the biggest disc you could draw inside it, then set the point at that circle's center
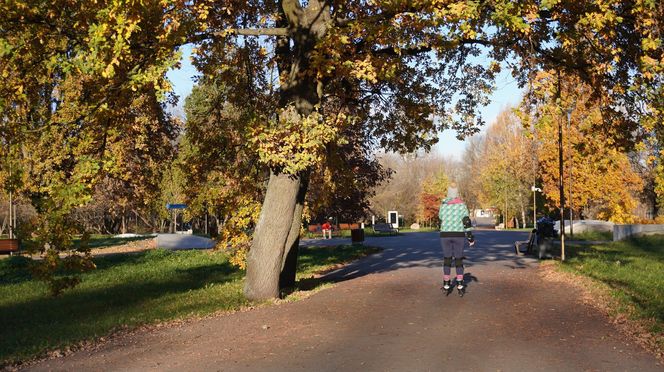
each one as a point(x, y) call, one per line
point(176, 206)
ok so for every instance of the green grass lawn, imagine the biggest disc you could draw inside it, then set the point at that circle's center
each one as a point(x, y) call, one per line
point(633, 270)
point(591, 236)
point(128, 290)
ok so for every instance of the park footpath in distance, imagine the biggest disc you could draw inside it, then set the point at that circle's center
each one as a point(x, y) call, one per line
point(387, 313)
point(183, 241)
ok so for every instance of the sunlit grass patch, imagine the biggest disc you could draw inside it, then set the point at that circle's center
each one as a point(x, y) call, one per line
point(592, 236)
point(632, 269)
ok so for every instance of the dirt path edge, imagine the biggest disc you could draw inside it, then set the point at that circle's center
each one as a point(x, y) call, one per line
point(598, 295)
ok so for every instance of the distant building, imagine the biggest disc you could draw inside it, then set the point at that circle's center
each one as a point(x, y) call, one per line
point(490, 212)
point(484, 217)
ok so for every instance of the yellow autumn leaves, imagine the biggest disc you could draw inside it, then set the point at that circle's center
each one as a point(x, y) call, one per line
point(294, 142)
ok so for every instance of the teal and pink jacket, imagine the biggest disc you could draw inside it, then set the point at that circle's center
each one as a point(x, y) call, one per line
point(451, 213)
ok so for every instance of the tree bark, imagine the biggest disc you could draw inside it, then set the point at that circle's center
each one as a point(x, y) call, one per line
point(289, 265)
point(266, 256)
point(523, 216)
point(124, 224)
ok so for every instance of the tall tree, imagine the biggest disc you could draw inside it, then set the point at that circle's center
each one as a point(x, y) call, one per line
point(508, 170)
point(224, 177)
point(469, 173)
point(604, 183)
point(433, 191)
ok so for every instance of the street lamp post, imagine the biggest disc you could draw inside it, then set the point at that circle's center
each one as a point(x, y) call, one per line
point(571, 207)
point(561, 188)
point(11, 203)
point(535, 190)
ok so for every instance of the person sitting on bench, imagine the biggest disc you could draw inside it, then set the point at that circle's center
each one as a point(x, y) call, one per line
point(327, 228)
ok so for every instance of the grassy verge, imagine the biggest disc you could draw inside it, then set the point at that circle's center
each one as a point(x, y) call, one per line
point(126, 291)
point(592, 235)
point(632, 270)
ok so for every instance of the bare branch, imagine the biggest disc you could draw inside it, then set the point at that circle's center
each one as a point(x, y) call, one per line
point(402, 51)
point(391, 51)
point(293, 11)
point(255, 32)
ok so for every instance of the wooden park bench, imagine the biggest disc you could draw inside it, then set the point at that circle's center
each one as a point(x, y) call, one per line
point(385, 228)
point(530, 243)
point(10, 246)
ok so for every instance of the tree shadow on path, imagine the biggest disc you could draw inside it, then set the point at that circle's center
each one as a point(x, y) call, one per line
point(423, 250)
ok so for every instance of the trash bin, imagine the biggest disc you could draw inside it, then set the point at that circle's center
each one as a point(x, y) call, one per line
point(546, 235)
point(357, 235)
point(545, 228)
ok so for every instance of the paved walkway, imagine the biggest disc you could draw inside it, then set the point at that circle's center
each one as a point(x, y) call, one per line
point(387, 313)
point(183, 241)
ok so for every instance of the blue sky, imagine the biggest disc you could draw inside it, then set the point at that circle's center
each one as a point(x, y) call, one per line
point(507, 94)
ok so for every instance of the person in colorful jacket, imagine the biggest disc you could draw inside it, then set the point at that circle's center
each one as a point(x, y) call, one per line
point(453, 235)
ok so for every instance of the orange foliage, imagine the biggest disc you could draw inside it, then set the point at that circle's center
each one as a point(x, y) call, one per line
point(602, 177)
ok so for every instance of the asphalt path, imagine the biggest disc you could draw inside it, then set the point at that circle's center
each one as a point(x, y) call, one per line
point(387, 313)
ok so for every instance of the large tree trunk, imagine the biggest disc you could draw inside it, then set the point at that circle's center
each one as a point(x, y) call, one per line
point(275, 242)
point(266, 256)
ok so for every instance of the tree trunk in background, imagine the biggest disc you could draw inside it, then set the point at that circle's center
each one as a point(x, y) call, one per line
point(124, 222)
point(523, 211)
point(523, 216)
